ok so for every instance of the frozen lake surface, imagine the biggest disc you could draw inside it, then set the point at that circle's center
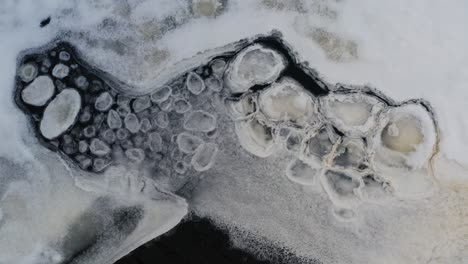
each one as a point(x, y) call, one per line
point(334, 131)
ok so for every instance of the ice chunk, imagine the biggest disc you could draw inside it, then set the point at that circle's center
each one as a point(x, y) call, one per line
point(321, 143)
point(139, 140)
point(199, 120)
point(60, 114)
point(85, 115)
point(341, 188)
point(161, 94)
point(39, 91)
point(113, 120)
point(46, 63)
point(132, 123)
point(99, 120)
point(218, 66)
point(351, 153)
point(84, 161)
point(255, 65)
point(28, 72)
point(123, 100)
point(242, 107)
point(287, 101)
point(353, 113)
point(402, 135)
point(179, 167)
point(188, 143)
point(141, 103)
point(195, 83)
point(406, 137)
point(69, 146)
point(282, 133)
point(303, 173)
point(145, 125)
point(122, 133)
point(214, 83)
point(60, 71)
point(109, 136)
point(100, 164)
point(83, 146)
point(255, 137)
point(95, 86)
point(126, 144)
point(123, 110)
point(177, 154)
point(161, 119)
point(81, 82)
point(135, 155)
point(181, 106)
point(155, 141)
point(98, 147)
point(89, 131)
point(64, 56)
point(204, 156)
point(166, 105)
point(294, 141)
point(104, 101)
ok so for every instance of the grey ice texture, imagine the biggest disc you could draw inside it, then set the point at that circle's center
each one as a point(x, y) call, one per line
point(276, 203)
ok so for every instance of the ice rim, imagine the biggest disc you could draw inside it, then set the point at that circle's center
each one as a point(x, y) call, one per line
point(300, 71)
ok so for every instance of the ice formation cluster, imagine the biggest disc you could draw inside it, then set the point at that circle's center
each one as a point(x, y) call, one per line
point(354, 143)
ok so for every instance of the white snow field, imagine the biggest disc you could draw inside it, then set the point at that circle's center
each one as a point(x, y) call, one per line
point(391, 188)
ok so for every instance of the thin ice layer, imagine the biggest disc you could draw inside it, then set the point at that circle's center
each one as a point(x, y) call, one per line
point(255, 137)
point(341, 188)
point(302, 173)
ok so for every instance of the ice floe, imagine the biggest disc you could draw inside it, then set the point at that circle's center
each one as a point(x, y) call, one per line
point(39, 91)
point(255, 65)
point(60, 113)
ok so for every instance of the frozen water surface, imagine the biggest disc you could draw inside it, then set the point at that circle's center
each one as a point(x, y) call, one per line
point(302, 173)
point(381, 161)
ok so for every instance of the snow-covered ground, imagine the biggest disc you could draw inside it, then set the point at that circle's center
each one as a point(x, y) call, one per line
point(406, 49)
